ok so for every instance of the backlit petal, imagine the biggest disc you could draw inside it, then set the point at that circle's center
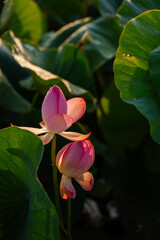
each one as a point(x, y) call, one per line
point(59, 157)
point(53, 103)
point(68, 158)
point(36, 131)
point(46, 138)
point(58, 123)
point(66, 188)
point(86, 181)
point(76, 107)
point(74, 136)
point(86, 161)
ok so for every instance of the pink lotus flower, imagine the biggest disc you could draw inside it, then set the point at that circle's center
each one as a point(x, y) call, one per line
point(73, 161)
point(58, 115)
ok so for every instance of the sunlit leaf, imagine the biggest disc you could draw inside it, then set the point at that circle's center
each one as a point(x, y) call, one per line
point(26, 20)
point(139, 38)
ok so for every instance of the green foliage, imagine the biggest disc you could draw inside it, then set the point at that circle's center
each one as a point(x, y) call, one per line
point(154, 69)
point(107, 6)
point(67, 62)
point(10, 67)
point(99, 39)
point(11, 99)
point(72, 44)
point(120, 123)
point(24, 203)
point(131, 9)
point(25, 19)
point(55, 39)
point(132, 67)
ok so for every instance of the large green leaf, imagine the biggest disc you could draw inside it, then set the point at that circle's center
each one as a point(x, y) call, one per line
point(131, 9)
point(121, 124)
point(139, 38)
point(26, 20)
point(65, 63)
point(26, 212)
point(99, 39)
point(10, 99)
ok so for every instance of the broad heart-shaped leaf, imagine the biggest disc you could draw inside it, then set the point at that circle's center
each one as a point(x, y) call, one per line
point(26, 20)
point(26, 212)
point(139, 38)
point(107, 6)
point(131, 9)
point(54, 39)
point(99, 39)
point(120, 123)
point(65, 63)
point(10, 99)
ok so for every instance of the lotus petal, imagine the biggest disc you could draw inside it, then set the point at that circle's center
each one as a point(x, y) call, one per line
point(76, 107)
point(66, 188)
point(46, 138)
point(53, 103)
point(74, 136)
point(86, 181)
point(57, 123)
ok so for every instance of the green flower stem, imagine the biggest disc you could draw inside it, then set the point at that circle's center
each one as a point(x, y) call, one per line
point(55, 183)
point(69, 219)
